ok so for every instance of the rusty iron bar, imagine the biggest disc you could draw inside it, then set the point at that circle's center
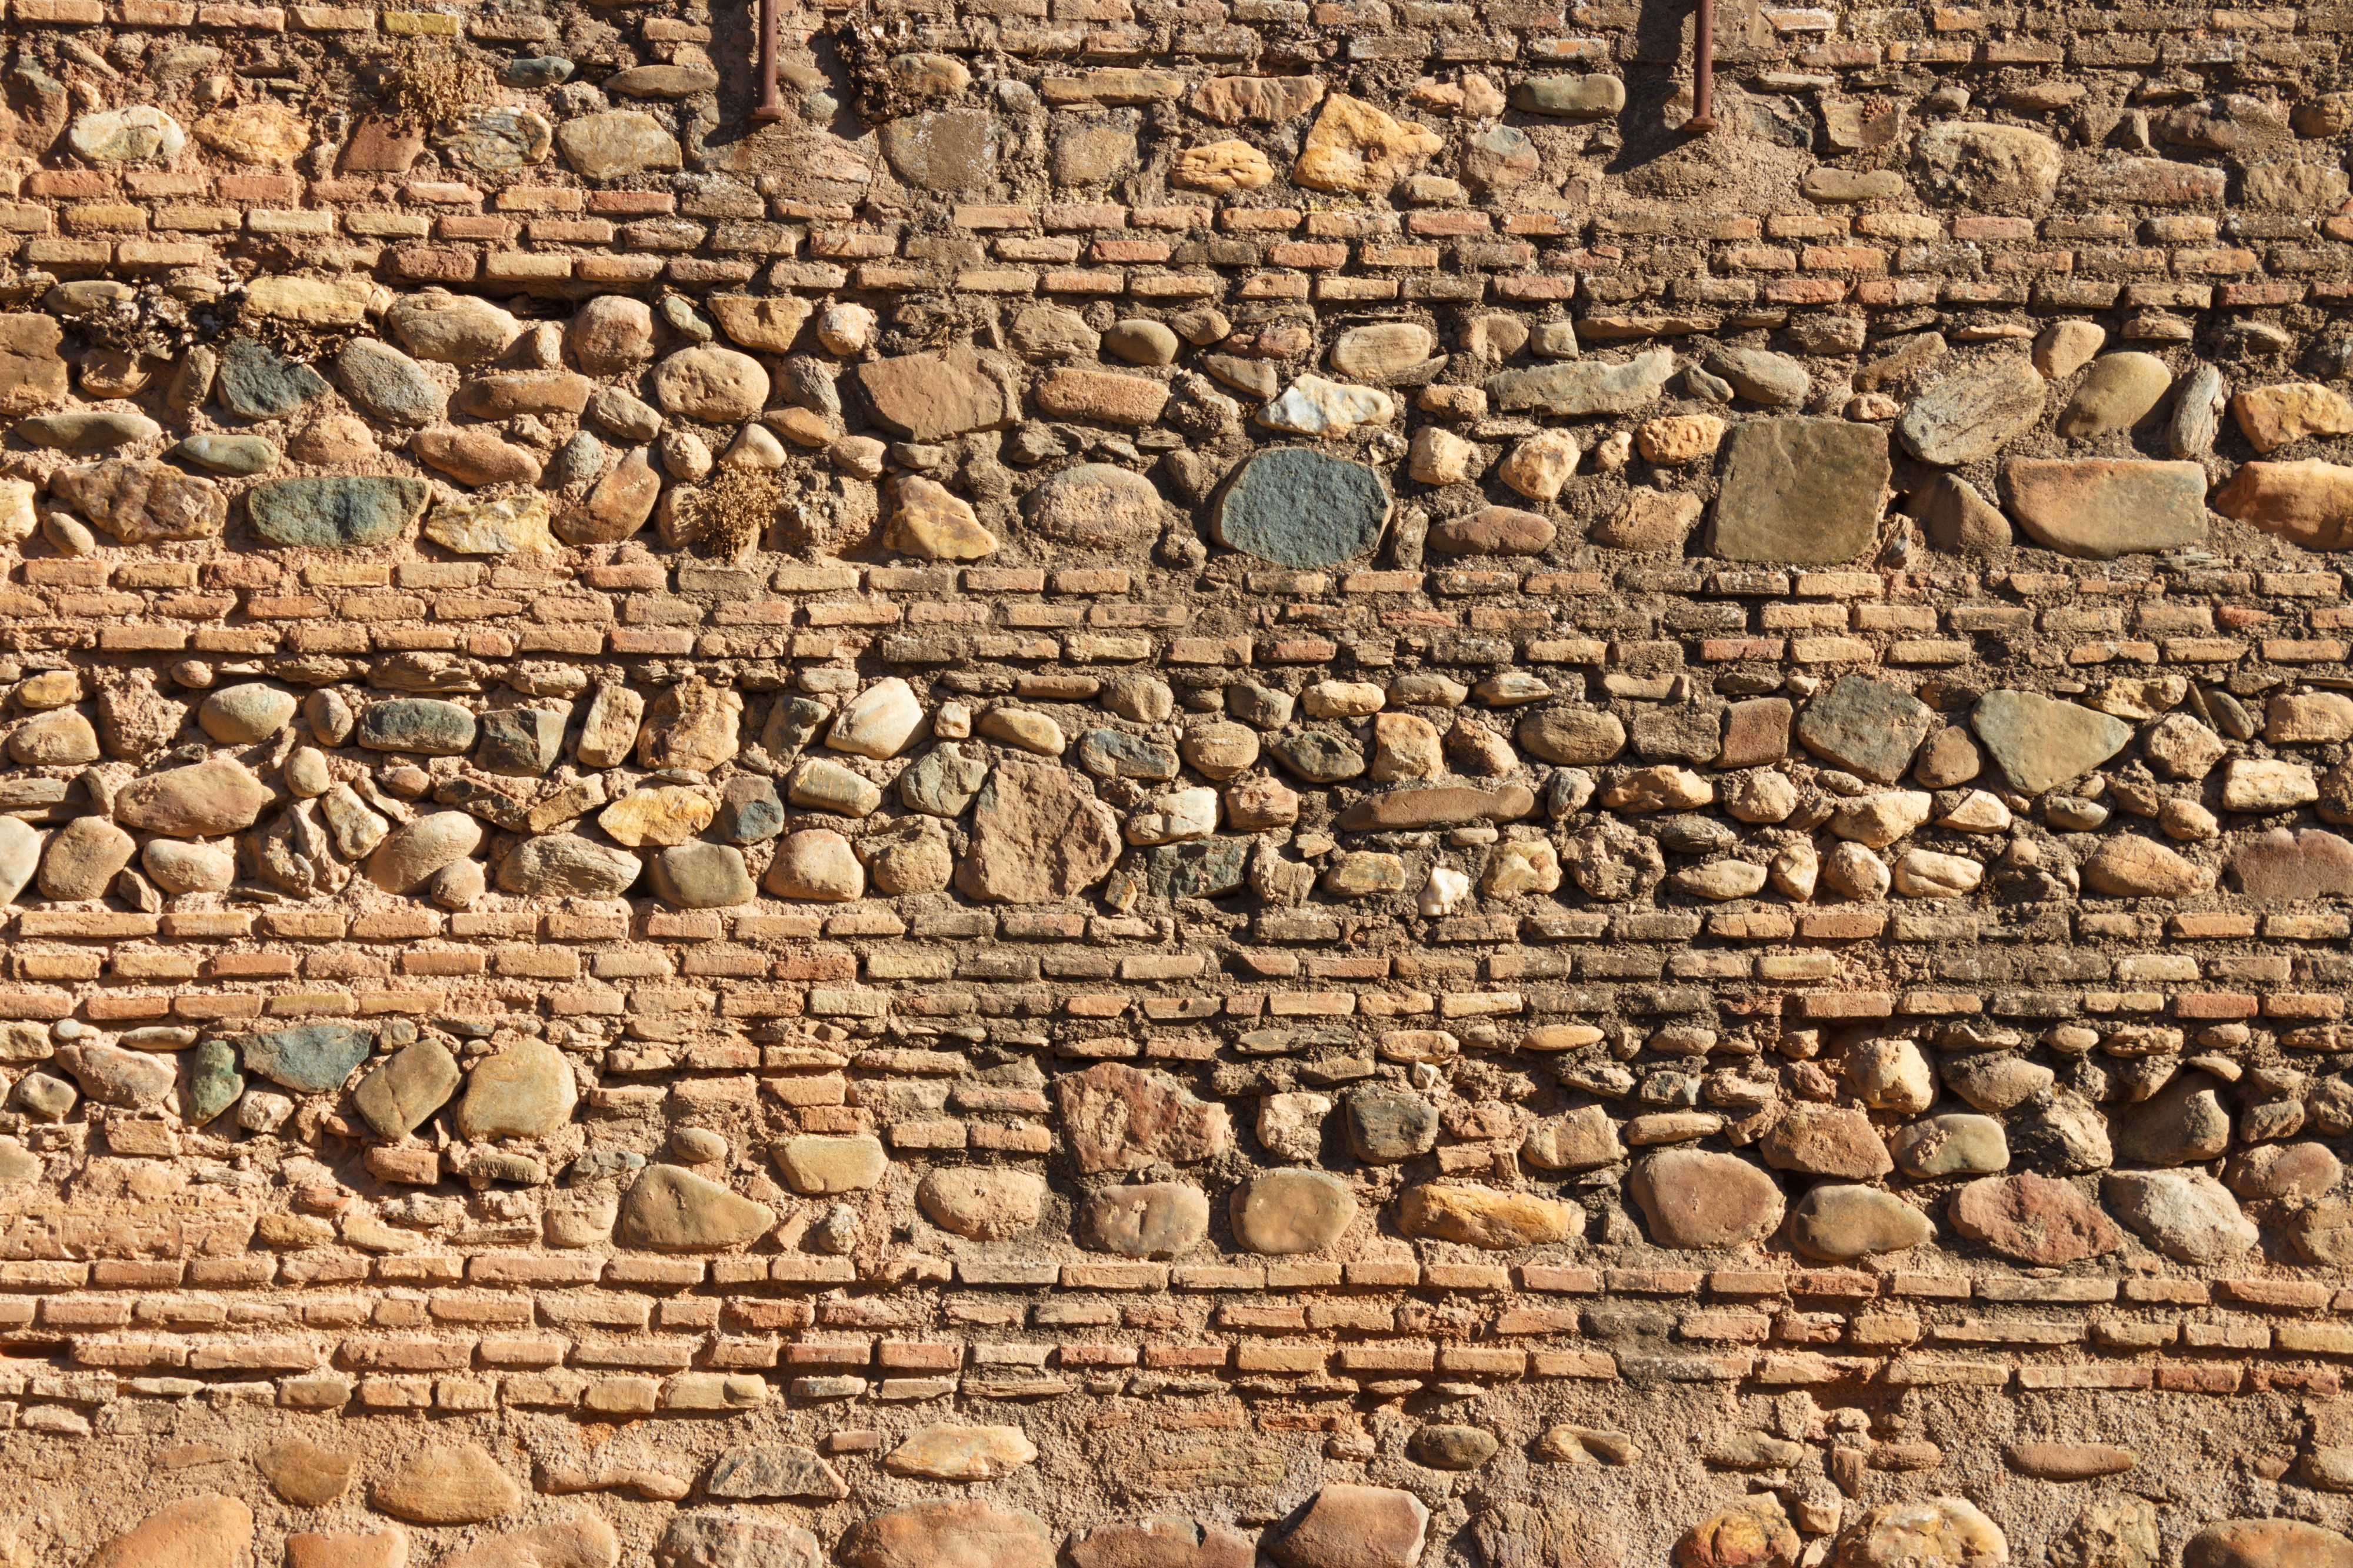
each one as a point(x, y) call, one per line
point(1703, 115)
point(768, 108)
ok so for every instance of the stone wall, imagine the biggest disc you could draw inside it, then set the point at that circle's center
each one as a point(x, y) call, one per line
point(1185, 779)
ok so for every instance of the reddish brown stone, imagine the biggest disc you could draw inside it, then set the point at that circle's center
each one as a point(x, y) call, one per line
point(1354, 1527)
point(1116, 1118)
point(1437, 805)
point(1039, 836)
point(1755, 732)
point(2305, 864)
point(2033, 1219)
point(1493, 531)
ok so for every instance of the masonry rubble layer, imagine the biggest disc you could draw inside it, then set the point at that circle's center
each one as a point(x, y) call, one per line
point(1189, 779)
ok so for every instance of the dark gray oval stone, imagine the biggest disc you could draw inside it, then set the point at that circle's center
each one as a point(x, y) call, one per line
point(1297, 506)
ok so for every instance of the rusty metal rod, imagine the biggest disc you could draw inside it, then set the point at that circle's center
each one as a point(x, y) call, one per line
point(768, 108)
point(1703, 115)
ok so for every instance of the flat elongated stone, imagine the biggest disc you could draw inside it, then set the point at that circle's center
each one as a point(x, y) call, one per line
point(1806, 491)
point(1837, 1224)
point(2068, 1461)
point(951, 1453)
point(818, 1166)
point(1096, 506)
point(736, 1538)
point(784, 1473)
point(2307, 502)
point(979, 1203)
point(622, 142)
point(2271, 417)
point(2305, 864)
point(2266, 1543)
point(2101, 508)
point(144, 502)
point(1574, 388)
point(2042, 743)
point(340, 513)
point(93, 432)
point(1973, 413)
point(1483, 1218)
point(950, 1532)
point(1164, 1542)
point(1437, 805)
point(582, 1542)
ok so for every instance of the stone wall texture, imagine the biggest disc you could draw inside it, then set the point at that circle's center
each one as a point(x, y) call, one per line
point(1173, 780)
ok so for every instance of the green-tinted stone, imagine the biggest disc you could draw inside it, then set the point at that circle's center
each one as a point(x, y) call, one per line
point(1204, 868)
point(86, 431)
point(521, 743)
point(259, 383)
point(422, 724)
point(411, 1086)
point(1298, 507)
point(235, 454)
point(214, 1082)
point(340, 513)
point(1317, 757)
point(312, 1057)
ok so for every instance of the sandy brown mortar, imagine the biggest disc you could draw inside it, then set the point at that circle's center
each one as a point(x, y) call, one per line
point(1186, 780)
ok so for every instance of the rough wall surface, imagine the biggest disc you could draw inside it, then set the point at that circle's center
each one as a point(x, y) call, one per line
point(1184, 780)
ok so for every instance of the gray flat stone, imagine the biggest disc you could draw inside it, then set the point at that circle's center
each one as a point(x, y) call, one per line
point(1574, 388)
point(312, 1057)
point(1970, 413)
point(340, 513)
point(1866, 727)
point(1298, 507)
point(256, 382)
point(1803, 491)
point(2042, 743)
